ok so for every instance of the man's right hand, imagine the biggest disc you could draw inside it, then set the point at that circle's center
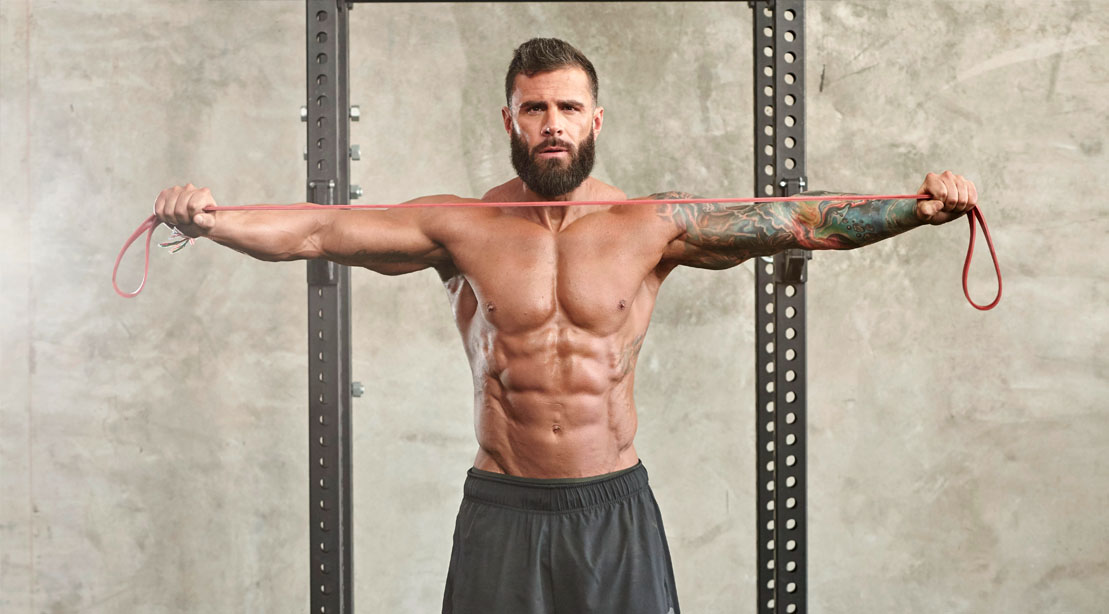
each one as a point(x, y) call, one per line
point(183, 208)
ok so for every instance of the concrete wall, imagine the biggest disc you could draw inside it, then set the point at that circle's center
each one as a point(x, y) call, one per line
point(153, 451)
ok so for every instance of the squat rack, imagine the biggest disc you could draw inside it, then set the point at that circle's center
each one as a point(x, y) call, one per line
point(778, 36)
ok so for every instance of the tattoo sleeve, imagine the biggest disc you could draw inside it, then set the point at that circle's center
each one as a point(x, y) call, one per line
point(717, 236)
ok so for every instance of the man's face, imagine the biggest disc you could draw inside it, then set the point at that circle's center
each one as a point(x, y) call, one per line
point(552, 124)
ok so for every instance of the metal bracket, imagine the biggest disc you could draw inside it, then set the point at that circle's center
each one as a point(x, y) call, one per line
point(792, 269)
point(792, 185)
point(323, 273)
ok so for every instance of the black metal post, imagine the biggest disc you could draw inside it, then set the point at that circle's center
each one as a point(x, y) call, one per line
point(329, 347)
point(779, 78)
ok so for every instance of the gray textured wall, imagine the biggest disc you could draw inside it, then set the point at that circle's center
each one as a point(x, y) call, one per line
point(153, 451)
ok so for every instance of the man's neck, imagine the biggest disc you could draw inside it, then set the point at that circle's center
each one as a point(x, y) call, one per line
point(554, 217)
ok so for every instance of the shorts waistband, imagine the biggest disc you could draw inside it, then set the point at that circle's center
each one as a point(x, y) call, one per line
point(555, 495)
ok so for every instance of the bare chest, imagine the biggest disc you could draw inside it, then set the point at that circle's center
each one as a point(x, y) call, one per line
point(520, 276)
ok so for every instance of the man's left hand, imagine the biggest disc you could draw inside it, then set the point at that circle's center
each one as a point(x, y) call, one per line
point(954, 195)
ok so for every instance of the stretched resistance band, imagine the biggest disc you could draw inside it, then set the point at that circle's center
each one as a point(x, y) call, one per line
point(152, 222)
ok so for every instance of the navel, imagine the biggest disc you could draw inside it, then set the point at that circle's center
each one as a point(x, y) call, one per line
point(622, 305)
point(556, 429)
point(490, 307)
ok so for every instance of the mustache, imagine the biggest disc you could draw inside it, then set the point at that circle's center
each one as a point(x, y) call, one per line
point(553, 142)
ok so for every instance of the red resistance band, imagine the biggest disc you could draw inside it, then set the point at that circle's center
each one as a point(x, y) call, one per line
point(152, 222)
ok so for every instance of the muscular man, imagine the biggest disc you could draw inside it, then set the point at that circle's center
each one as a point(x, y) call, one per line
point(553, 303)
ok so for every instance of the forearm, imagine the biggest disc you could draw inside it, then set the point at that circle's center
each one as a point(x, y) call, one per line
point(271, 235)
point(848, 224)
point(717, 236)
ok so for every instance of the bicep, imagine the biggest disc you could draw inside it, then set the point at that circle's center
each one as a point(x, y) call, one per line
point(683, 253)
point(715, 236)
point(392, 241)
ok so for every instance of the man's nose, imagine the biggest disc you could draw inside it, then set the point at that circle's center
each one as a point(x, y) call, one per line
point(552, 124)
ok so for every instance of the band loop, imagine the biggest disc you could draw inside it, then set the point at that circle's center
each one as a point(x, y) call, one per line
point(972, 215)
point(147, 226)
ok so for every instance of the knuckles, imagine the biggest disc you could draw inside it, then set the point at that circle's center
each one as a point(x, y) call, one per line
point(955, 192)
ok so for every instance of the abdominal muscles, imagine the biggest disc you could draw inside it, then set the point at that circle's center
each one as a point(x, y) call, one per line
point(555, 401)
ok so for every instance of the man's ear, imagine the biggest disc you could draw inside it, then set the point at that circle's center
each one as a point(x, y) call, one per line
point(506, 115)
point(598, 119)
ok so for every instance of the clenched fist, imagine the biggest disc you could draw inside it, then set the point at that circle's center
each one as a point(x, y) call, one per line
point(954, 195)
point(183, 208)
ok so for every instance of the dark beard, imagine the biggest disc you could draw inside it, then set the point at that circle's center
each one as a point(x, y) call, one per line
point(549, 178)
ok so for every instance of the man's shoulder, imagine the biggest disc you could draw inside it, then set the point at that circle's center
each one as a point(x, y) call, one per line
point(505, 192)
point(451, 208)
point(443, 224)
point(441, 198)
point(605, 191)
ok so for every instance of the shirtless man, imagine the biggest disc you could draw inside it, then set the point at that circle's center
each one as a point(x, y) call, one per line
point(553, 303)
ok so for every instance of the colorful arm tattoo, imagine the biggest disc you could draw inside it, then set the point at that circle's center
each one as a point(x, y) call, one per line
point(717, 236)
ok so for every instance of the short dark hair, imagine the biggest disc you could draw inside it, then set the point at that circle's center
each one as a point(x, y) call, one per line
point(544, 54)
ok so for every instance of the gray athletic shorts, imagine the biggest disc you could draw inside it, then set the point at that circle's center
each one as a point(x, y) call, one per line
point(577, 546)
